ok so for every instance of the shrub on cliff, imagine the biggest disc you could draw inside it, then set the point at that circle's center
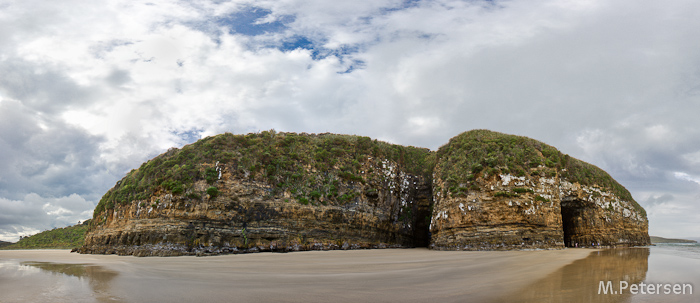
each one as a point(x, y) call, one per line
point(213, 192)
point(326, 168)
point(308, 166)
point(489, 153)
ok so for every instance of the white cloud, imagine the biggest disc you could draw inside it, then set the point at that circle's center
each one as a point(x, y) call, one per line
point(35, 213)
point(94, 89)
point(686, 177)
point(672, 215)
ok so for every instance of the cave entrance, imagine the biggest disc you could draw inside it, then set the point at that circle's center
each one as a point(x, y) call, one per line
point(422, 208)
point(421, 232)
point(574, 218)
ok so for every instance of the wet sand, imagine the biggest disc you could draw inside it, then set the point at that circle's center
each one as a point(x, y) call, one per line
point(386, 275)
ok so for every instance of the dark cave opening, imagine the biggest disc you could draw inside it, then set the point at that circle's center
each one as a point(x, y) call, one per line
point(422, 208)
point(573, 212)
point(421, 231)
point(568, 218)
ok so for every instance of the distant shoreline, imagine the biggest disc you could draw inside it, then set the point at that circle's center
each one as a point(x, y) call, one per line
point(655, 240)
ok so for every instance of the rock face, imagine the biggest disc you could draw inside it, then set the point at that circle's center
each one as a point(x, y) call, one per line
point(267, 192)
point(496, 191)
point(292, 192)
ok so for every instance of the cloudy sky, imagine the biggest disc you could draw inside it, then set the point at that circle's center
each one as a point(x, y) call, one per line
point(91, 89)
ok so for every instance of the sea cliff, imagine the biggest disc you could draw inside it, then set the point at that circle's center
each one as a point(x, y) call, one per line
point(495, 191)
point(291, 192)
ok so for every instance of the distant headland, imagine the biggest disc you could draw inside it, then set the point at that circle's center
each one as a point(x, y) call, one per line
point(655, 240)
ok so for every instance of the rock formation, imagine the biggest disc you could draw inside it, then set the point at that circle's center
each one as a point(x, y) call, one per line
point(268, 192)
point(494, 191)
point(289, 192)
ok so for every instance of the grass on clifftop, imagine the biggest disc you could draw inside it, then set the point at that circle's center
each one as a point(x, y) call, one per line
point(57, 238)
point(487, 153)
point(309, 166)
point(322, 168)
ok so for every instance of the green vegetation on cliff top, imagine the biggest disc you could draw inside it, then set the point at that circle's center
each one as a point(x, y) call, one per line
point(487, 153)
point(308, 166)
point(311, 167)
point(57, 238)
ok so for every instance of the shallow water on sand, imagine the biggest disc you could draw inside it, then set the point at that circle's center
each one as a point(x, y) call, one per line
point(672, 264)
point(581, 280)
point(688, 250)
point(55, 282)
point(406, 275)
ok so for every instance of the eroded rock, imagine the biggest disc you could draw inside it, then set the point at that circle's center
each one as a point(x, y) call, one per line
point(289, 192)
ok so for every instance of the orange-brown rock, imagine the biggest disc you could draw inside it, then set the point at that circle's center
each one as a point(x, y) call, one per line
point(542, 206)
point(374, 206)
point(291, 192)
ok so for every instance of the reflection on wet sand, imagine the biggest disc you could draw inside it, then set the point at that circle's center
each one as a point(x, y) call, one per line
point(411, 275)
point(98, 277)
point(580, 280)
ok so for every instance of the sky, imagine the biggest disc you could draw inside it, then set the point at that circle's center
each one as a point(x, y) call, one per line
point(91, 89)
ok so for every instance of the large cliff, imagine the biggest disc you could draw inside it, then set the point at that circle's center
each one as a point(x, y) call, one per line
point(288, 192)
point(268, 192)
point(497, 191)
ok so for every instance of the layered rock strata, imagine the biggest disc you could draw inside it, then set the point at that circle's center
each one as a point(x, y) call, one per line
point(293, 192)
point(511, 212)
point(543, 206)
point(373, 208)
point(594, 217)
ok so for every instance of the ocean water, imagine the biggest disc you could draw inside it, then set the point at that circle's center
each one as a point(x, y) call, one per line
point(580, 281)
point(672, 263)
point(687, 250)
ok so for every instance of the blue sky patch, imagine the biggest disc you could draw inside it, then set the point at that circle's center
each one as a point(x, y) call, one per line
point(406, 4)
point(356, 64)
point(297, 42)
point(301, 42)
point(319, 52)
point(245, 22)
point(189, 136)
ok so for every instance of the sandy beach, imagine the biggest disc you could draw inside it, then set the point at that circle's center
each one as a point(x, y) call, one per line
point(385, 275)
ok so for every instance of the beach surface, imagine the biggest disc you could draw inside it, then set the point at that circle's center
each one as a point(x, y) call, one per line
point(382, 275)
